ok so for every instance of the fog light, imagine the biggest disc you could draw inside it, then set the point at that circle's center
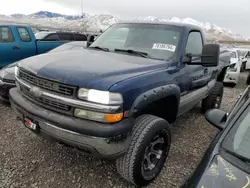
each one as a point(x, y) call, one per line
point(98, 116)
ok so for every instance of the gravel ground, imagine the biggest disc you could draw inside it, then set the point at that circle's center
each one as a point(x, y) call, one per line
point(29, 161)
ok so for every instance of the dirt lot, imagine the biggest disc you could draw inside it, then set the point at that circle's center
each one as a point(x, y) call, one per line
point(29, 161)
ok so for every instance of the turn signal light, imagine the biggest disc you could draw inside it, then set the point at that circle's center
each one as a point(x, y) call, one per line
point(112, 118)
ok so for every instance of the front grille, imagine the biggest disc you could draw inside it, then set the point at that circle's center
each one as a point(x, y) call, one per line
point(47, 102)
point(8, 81)
point(47, 84)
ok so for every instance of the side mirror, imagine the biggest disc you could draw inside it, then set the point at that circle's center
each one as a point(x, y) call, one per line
point(90, 40)
point(217, 118)
point(209, 57)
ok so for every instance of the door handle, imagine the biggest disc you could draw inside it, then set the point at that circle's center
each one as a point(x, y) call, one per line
point(16, 48)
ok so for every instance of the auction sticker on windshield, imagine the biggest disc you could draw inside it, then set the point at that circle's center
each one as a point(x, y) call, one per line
point(168, 47)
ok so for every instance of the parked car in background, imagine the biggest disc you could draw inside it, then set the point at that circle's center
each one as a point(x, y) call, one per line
point(116, 98)
point(246, 60)
point(243, 54)
point(60, 36)
point(7, 73)
point(18, 42)
point(233, 71)
point(226, 163)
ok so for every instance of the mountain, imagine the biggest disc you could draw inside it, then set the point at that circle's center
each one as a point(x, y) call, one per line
point(94, 23)
point(47, 14)
point(18, 16)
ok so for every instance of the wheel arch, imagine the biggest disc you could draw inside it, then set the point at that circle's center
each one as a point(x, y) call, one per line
point(222, 74)
point(161, 101)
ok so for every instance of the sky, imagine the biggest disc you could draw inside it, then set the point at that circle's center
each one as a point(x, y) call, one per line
point(231, 14)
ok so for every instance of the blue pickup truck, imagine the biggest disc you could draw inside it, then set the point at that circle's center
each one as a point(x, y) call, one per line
point(18, 42)
point(117, 98)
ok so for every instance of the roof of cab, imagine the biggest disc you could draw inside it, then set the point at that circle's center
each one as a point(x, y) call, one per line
point(14, 24)
point(61, 32)
point(183, 25)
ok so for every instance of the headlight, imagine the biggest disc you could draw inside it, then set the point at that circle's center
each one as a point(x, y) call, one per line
point(16, 71)
point(98, 116)
point(103, 97)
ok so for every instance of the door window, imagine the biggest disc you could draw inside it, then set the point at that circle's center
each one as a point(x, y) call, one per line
point(194, 43)
point(233, 55)
point(51, 37)
point(6, 35)
point(24, 34)
point(66, 36)
point(79, 37)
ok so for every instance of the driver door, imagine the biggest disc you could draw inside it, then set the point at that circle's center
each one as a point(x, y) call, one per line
point(197, 76)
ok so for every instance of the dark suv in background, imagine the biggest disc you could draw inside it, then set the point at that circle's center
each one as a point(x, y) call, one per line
point(60, 36)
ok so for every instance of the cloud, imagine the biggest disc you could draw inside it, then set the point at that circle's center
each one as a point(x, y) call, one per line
point(31, 6)
point(225, 13)
point(230, 14)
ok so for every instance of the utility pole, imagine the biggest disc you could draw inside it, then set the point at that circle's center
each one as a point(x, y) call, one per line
point(81, 8)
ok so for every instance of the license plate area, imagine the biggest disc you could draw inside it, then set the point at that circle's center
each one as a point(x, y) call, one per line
point(31, 124)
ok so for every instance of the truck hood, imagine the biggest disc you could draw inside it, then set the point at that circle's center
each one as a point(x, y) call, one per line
point(89, 68)
point(222, 174)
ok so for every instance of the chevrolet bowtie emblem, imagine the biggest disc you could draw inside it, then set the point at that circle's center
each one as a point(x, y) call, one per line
point(36, 92)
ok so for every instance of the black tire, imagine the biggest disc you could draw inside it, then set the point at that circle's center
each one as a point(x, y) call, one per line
point(132, 166)
point(243, 67)
point(213, 100)
point(248, 79)
point(232, 85)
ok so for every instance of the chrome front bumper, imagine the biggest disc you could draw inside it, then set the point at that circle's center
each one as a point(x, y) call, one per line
point(102, 146)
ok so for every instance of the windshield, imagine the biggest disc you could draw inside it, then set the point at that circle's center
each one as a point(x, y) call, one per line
point(238, 139)
point(156, 40)
point(41, 35)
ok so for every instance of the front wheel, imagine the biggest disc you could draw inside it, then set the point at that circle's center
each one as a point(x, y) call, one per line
point(213, 100)
point(148, 150)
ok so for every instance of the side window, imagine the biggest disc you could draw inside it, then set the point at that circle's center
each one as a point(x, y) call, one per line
point(66, 36)
point(24, 34)
point(6, 35)
point(194, 43)
point(79, 37)
point(51, 37)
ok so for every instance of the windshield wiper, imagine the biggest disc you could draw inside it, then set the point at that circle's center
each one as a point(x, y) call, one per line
point(100, 48)
point(240, 157)
point(142, 54)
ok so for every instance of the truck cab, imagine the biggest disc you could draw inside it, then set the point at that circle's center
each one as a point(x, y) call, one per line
point(19, 42)
point(16, 42)
point(117, 98)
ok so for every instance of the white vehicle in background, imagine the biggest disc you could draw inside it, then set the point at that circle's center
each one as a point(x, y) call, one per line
point(246, 60)
point(233, 71)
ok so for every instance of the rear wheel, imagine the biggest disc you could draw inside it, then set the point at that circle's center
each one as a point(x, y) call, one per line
point(213, 100)
point(148, 150)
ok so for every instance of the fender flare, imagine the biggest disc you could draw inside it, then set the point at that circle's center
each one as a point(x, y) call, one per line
point(222, 74)
point(155, 94)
